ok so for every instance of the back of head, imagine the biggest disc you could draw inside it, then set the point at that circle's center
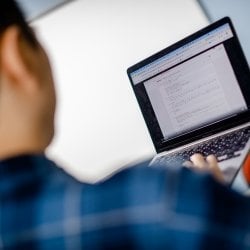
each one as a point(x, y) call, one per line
point(27, 95)
point(11, 14)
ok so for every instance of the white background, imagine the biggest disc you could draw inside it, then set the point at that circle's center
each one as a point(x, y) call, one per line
point(91, 43)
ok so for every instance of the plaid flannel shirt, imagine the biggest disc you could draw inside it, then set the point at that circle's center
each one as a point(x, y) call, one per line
point(42, 207)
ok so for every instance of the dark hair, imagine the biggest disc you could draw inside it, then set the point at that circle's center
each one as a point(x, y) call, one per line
point(11, 14)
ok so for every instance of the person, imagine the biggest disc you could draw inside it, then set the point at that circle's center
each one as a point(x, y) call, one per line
point(42, 207)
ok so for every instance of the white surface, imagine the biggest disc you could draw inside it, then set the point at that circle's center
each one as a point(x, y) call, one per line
point(91, 43)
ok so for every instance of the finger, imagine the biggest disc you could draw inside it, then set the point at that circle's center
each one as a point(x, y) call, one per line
point(198, 160)
point(188, 164)
point(214, 168)
point(212, 161)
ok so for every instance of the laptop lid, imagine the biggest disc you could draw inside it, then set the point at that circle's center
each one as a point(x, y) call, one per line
point(194, 88)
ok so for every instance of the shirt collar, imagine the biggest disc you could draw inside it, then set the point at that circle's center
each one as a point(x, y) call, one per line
point(21, 171)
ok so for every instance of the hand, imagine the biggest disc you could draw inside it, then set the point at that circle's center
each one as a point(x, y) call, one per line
point(209, 164)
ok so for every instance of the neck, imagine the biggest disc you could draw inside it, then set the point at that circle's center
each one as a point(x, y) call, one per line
point(14, 143)
point(21, 134)
point(25, 126)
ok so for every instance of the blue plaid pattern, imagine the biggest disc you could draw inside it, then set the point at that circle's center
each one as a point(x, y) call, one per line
point(41, 207)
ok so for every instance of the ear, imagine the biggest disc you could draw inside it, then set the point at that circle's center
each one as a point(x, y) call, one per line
point(13, 60)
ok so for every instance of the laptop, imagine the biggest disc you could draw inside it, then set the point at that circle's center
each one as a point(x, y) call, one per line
point(195, 98)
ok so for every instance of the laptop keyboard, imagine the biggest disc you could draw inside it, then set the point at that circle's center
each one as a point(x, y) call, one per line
point(224, 147)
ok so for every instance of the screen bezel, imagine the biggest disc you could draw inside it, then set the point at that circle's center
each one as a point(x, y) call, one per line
point(243, 76)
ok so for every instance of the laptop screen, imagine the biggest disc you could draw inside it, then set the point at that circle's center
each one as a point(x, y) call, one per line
point(193, 85)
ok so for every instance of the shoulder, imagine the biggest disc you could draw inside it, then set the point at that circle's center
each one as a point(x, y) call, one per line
point(141, 182)
point(162, 202)
point(144, 184)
